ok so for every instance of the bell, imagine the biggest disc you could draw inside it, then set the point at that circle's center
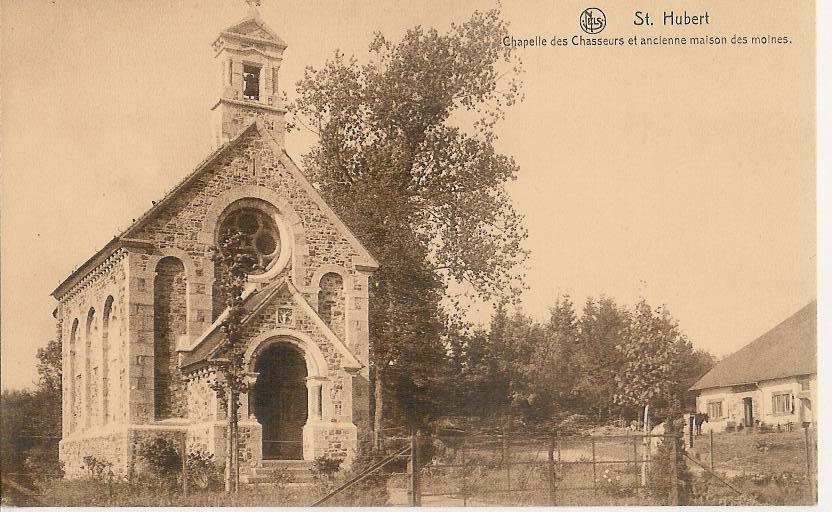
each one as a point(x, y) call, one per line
point(251, 87)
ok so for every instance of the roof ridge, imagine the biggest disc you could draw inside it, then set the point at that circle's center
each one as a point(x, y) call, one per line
point(787, 349)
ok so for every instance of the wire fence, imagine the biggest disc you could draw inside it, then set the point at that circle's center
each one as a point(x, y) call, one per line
point(782, 455)
point(503, 469)
point(456, 468)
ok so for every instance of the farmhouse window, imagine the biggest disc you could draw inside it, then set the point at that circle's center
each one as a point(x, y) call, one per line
point(715, 409)
point(781, 403)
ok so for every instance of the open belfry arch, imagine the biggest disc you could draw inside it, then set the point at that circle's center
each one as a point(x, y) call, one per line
point(139, 321)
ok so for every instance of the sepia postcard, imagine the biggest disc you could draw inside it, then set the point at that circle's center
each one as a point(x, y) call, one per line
point(410, 253)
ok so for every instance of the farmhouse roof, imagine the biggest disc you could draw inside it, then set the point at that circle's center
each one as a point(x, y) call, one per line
point(787, 350)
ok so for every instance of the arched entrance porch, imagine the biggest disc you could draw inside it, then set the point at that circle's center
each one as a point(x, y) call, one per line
point(280, 400)
point(275, 362)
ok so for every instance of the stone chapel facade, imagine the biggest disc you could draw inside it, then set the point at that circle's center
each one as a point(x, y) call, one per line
point(139, 321)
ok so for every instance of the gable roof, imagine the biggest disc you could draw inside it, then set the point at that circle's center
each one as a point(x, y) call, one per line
point(207, 346)
point(787, 350)
point(119, 240)
point(125, 238)
point(253, 28)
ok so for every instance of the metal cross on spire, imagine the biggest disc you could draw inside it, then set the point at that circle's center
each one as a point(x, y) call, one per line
point(252, 8)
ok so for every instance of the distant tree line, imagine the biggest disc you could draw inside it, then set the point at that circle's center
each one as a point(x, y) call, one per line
point(605, 362)
point(30, 423)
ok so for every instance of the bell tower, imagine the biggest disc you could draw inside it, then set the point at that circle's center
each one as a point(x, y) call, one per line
point(249, 54)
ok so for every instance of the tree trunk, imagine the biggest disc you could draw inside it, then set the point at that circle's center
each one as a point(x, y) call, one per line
point(235, 454)
point(645, 455)
point(229, 448)
point(378, 402)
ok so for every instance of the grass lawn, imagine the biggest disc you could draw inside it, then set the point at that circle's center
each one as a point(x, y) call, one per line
point(745, 452)
point(97, 494)
point(769, 466)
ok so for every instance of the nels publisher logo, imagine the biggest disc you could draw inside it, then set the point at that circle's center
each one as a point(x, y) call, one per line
point(593, 20)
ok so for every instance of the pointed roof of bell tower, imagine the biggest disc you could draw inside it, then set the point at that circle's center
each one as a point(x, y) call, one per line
point(253, 29)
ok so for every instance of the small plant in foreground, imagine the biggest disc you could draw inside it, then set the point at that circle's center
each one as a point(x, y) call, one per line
point(163, 460)
point(97, 469)
point(203, 472)
point(610, 482)
point(325, 467)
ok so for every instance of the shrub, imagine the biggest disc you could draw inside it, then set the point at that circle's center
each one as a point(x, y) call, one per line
point(370, 492)
point(42, 466)
point(660, 474)
point(97, 469)
point(325, 467)
point(163, 461)
point(706, 490)
point(203, 472)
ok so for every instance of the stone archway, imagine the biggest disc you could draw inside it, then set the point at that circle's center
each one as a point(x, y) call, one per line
point(280, 400)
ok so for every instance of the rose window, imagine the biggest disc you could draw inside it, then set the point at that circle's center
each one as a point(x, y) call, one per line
point(259, 237)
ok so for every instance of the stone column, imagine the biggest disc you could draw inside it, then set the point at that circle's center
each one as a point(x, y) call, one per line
point(314, 389)
point(245, 398)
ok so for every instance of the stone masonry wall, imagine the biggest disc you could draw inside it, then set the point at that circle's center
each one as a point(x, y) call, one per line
point(331, 303)
point(83, 409)
point(251, 163)
point(170, 322)
point(109, 448)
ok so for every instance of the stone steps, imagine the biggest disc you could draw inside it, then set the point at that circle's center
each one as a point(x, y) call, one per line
point(297, 471)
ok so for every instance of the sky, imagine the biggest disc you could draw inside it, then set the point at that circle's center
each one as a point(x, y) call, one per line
point(684, 175)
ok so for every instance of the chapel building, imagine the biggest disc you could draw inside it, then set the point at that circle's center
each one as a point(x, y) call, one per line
point(139, 321)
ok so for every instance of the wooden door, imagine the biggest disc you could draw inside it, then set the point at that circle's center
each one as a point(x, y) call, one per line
point(280, 401)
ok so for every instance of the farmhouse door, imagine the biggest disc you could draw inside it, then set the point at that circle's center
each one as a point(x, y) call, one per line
point(748, 410)
point(280, 401)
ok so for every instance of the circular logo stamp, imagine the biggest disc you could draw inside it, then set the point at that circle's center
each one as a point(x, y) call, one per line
point(593, 20)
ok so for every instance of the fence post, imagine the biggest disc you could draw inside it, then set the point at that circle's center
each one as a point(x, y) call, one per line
point(184, 450)
point(691, 429)
point(674, 470)
point(464, 471)
point(415, 498)
point(808, 451)
point(506, 461)
point(552, 492)
point(560, 464)
point(711, 450)
point(594, 475)
point(635, 461)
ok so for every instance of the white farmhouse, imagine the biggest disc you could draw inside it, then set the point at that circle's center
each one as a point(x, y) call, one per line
point(772, 380)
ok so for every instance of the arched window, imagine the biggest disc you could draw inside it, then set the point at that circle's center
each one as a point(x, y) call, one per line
point(331, 302)
point(105, 359)
point(170, 317)
point(74, 380)
point(253, 221)
point(89, 377)
point(259, 237)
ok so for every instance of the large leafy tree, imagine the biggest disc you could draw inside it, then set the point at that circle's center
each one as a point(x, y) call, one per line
point(654, 354)
point(603, 326)
point(406, 156)
point(553, 370)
